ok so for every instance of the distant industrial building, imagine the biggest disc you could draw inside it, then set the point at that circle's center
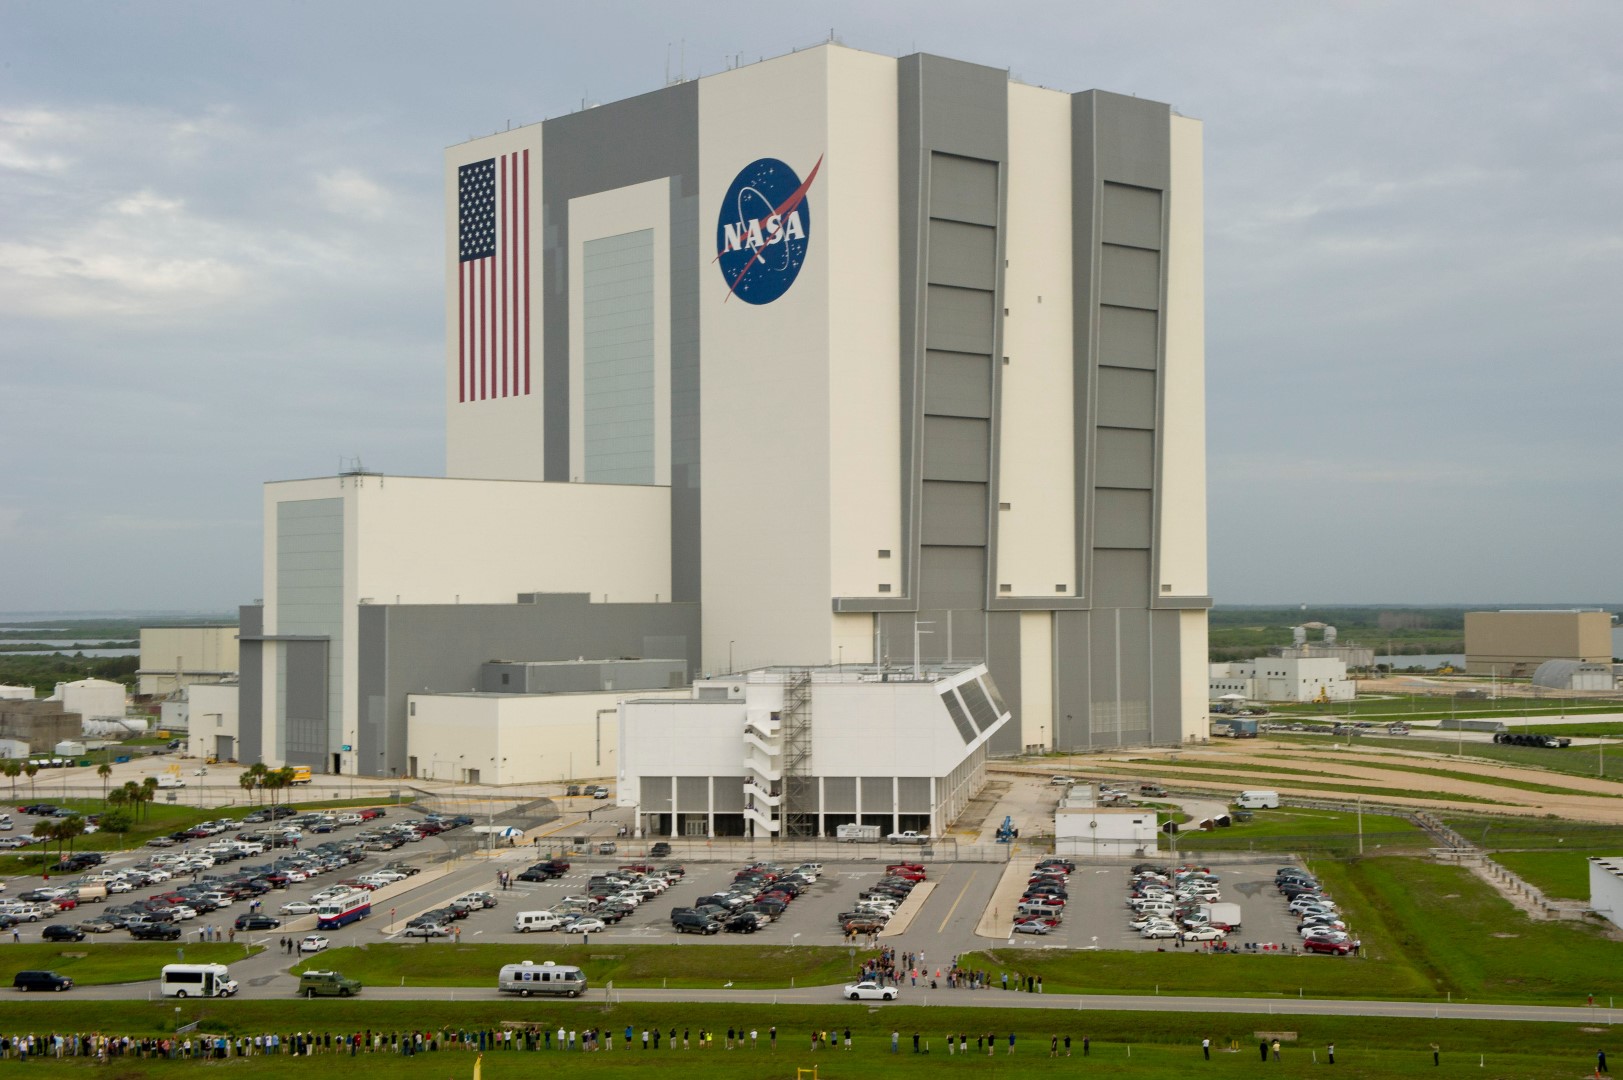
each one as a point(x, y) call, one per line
point(1278, 678)
point(207, 714)
point(1514, 643)
point(1354, 656)
point(173, 657)
point(38, 724)
point(1574, 675)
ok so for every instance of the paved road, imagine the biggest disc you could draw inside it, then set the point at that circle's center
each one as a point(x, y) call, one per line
point(992, 999)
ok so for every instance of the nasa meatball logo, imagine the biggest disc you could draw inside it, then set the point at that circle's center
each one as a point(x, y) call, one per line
point(764, 230)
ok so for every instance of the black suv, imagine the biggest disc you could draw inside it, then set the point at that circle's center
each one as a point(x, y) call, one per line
point(59, 932)
point(155, 932)
point(257, 922)
point(691, 922)
point(40, 980)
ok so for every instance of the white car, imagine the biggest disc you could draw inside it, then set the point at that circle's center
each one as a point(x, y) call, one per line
point(1204, 933)
point(313, 943)
point(119, 885)
point(298, 907)
point(1159, 930)
point(1061, 781)
point(1324, 933)
point(870, 991)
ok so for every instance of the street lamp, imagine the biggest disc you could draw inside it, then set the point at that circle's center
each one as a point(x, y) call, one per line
point(729, 658)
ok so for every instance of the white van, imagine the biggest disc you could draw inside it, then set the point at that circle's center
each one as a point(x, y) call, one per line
point(548, 978)
point(525, 921)
point(1156, 907)
point(1258, 800)
point(171, 782)
point(196, 980)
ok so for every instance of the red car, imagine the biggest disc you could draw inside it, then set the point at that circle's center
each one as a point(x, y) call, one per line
point(1333, 948)
point(895, 868)
point(906, 874)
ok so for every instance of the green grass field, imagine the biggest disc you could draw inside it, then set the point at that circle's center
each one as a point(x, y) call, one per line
point(1561, 875)
point(1128, 1045)
point(1310, 832)
point(1497, 834)
point(116, 962)
point(688, 966)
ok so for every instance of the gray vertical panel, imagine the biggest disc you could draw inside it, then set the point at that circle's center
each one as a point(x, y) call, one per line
point(964, 189)
point(964, 255)
point(959, 320)
point(1121, 578)
point(692, 794)
point(306, 736)
point(1129, 337)
point(1126, 398)
point(839, 794)
point(627, 142)
point(250, 693)
point(957, 448)
point(1121, 518)
point(878, 796)
point(913, 794)
point(373, 754)
point(1131, 216)
point(957, 384)
point(655, 794)
point(1166, 645)
point(1003, 660)
point(955, 580)
point(912, 196)
point(618, 349)
point(1072, 682)
point(684, 279)
point(1129, 277)
point(955, 515)
point(1126, 459)
point(728, 795)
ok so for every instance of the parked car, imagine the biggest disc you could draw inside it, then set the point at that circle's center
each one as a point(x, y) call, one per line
point(155, 932)
point(327, 984)
point(1332, 948)
point(257, 922)
point(313, 943)
point(428, 930)
point(60, 932)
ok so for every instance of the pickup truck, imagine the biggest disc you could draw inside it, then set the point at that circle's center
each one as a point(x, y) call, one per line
point(908, 836)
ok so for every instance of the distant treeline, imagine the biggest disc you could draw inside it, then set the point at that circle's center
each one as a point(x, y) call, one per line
point(44, 672)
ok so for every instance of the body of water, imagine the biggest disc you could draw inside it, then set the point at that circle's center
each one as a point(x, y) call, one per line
point(71, 650)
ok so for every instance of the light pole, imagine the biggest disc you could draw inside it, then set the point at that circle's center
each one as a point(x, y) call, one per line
point(729, 658)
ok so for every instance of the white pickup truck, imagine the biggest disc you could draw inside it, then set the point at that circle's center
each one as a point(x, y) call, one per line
point(908, 836)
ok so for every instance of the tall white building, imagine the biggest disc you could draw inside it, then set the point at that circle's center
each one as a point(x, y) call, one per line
point(834, 358)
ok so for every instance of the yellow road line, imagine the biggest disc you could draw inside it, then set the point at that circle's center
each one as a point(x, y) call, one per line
point(959, 897)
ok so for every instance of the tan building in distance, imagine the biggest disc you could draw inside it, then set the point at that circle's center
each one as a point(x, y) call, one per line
point(1515, 643)
point(176, 656)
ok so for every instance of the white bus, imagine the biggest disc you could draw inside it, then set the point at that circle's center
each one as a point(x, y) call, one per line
point(548, 978)
point(196, 980)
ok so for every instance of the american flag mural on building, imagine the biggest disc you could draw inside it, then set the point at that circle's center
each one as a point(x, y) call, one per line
point(493, 241)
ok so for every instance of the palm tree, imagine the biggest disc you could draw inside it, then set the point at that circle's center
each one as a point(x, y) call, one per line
point(256, 775)
point(105, 771)
point(12, 768)
point(32, 770)
point(248, 781)
point(45, 832)
point(149, 789)
point(68, 830)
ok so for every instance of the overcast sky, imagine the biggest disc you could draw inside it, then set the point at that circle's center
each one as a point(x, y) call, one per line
point(220, 264)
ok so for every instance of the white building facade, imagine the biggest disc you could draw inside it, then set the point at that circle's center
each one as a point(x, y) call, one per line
point(1277, 678)
point(860, 359)
point(800, 752)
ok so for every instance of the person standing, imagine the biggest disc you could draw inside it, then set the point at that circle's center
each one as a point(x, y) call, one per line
point(1011, 1042)
point(1067, 1046)
point(1053, 1045)
point(1262, 1048)
point(1331, 1052)
point(1276, 1049)
point(895, 1041)
point(1600, 1062)
point(1206, 1049)
point(772, 1034)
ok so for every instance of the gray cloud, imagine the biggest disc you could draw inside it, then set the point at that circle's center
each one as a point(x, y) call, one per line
point(221, 256)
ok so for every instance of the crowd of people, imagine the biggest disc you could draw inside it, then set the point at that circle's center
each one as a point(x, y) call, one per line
point(893, 968)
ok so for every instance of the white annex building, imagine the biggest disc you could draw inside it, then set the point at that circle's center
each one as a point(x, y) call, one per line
point(802, 752)
point(836, 359)
point(1284, 678)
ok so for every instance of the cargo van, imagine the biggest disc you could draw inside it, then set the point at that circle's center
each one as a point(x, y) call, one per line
point(90, 892)
point(301, 774)
point(530, 977)
point(526, 921)
point(1258, 800)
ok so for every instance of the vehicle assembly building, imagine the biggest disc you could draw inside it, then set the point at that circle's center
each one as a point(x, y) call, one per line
point(833, 360)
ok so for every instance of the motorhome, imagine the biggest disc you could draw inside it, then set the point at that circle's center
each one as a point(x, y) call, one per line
point(530, 977)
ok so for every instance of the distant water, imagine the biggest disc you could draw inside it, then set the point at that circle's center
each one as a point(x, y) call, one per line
point(71, 650)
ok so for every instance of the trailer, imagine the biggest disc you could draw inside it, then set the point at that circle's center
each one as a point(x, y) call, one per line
point(1234, 727)
point(859, 834)
point(1223, 916)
